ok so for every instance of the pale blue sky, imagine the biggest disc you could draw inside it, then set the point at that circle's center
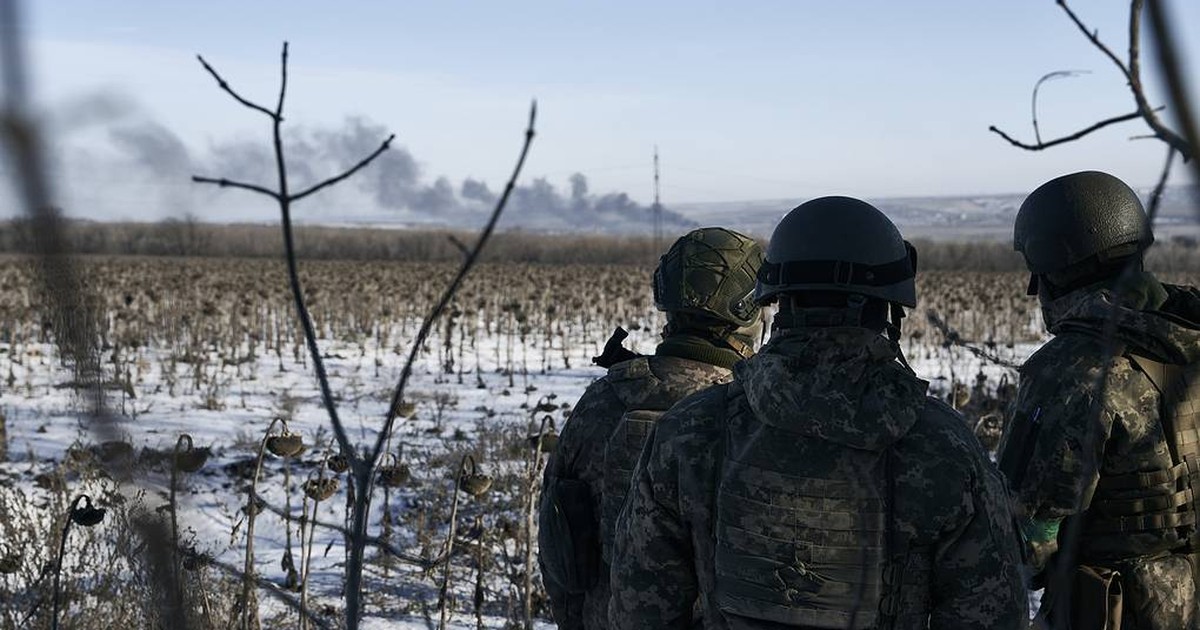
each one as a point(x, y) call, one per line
point(746, 100)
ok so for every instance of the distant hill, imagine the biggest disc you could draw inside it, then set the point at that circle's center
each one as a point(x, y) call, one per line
point(945, 218)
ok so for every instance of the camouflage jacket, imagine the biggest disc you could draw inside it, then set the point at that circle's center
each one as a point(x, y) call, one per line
point(1068, 430)
point(745, 493)
point(654, 383)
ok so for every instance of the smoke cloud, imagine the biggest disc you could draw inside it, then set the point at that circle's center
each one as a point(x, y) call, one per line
point(128, 165)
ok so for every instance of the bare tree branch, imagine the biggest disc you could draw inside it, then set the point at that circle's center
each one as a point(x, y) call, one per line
point(1049, 76)
point(1156, 196)
point(1168, 57)
point(448, 294)
point(1075, 136)
point(459, 245)
point(1131, 70)
point(1149, 113)
point(362, 469)
point(371, 541)
point(228, 183)
point(1094, 37)
point(224, 85)
point(952, 337)
point(283, 65)
point(270, 587)
point(352, 170)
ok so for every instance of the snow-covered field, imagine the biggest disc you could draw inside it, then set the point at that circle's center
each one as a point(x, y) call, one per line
point(499, 386)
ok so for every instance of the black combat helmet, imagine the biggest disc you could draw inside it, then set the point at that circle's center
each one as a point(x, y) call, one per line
point(1073, 227)
point(839, 244)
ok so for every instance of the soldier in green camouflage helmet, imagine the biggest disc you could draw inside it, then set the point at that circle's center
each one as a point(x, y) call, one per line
point(705, 285)
point(822, 487)
point(1101, 447)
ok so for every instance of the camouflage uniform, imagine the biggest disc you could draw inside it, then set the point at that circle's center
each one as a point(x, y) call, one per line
point(1074, 443)
point(822, 480)
point(642, 384)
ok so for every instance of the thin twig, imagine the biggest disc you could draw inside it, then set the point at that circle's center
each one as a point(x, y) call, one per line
point(1156, 196)
point(224, 85)
point(229, 183)
point(352, 170)
point(1075, 136)
point(283, 70)
point(271, 588)
point(1049, 76)
point(954, 338)
point(371, 541)
point(1094, 37)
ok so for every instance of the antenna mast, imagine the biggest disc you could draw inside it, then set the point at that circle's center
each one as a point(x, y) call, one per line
point(657, 209)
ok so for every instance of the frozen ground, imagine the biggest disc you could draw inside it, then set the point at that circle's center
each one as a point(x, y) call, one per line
point(483, 411)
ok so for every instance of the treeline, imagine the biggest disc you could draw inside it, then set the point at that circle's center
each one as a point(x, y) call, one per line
point(182, 237)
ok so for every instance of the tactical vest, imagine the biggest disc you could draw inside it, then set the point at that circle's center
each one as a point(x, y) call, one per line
point(814, 546)
point(636, 387)
point(1158, 501)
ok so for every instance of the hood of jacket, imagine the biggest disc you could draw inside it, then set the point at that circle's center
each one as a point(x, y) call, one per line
point(1160, 320)
point(841, 384)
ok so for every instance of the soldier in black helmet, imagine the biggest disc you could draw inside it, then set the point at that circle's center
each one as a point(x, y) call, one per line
point(705, 285)
point(1101, 449)
point(822, 487)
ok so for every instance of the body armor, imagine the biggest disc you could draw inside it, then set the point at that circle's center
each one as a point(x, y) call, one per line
point(645, 397)
point(1165, 501)
point(817, 551)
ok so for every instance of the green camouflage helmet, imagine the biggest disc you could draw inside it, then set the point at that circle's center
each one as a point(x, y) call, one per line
point(839, 244)
point(710, 272)
point(1077, 221)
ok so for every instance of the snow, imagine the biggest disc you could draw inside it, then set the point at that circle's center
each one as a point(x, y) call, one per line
point(483, 411)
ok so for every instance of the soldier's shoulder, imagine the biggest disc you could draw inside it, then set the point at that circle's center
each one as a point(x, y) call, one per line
point(702, 412)
point(598, 409)
point(655, 382)
point(1071, 363)
point(943, 432)
point(1068, 350)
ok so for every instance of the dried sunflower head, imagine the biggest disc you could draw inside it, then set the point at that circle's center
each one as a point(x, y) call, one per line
point(286, 444)
point(394, 476)
point(475, 484)
point(87, 514)
point(338, 463)
point(187, 458)
point(320, 489)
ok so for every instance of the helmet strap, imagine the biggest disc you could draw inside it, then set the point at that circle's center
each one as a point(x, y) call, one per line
point(895, 321)
point(893, 332)
point(830, 310)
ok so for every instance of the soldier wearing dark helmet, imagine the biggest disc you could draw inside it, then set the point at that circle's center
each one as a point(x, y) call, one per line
point(1101, 449)
point(705, 285)
point(822, 487)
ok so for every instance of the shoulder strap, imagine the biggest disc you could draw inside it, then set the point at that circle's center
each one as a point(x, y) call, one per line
point(1163, 375)
point(1168, 379)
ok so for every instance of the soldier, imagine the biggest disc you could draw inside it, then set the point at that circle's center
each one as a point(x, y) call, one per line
point(705, 284)
point(822, 487)
point(1101, 449)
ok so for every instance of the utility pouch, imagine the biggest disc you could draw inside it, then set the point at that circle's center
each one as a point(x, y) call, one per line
point(573, 561)
point(1097, 599)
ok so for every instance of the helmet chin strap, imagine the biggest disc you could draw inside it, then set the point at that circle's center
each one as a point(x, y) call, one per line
point(895, 321)
point(894, 325)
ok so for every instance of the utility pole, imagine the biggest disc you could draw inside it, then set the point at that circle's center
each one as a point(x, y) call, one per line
point(657, 209)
